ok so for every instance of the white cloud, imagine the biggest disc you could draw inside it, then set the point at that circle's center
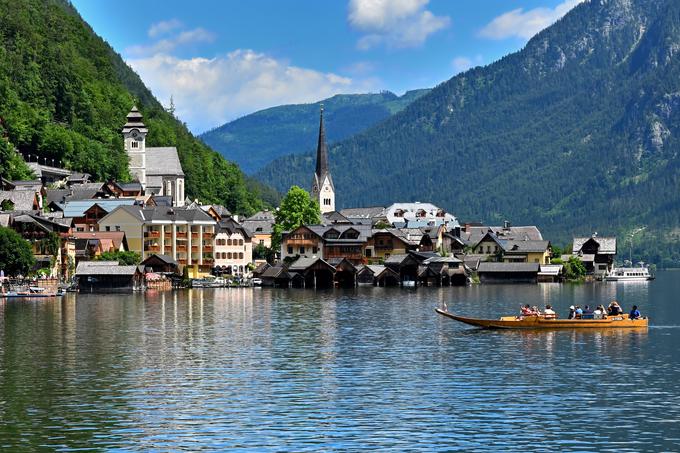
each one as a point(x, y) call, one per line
point(525, 24)
point(394, 23)
point(462, 63)
point(210, 91)
point(197, 35)
point(164, 27)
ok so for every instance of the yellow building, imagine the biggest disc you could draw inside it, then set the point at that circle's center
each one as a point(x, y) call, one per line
point(513, 251)
point(186, 235)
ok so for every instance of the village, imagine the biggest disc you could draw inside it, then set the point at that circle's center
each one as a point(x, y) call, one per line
point(73, 224)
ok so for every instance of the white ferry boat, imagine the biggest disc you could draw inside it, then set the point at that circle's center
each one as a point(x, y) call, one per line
point(629, 274)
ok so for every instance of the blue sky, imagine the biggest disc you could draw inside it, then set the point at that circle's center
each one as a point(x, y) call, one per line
point(224, 59)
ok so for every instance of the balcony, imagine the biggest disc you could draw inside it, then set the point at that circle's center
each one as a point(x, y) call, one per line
point(181, 235)
point(207, 248)
point(207, 236)
point(181, 248)
point(152, 234)
point(153, 248)
point(184, 262)
point(194, 235)
point(208, 261)
point(194, 248)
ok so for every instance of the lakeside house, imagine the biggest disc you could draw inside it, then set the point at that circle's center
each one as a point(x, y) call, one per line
point(597, 253)
point(94, 276)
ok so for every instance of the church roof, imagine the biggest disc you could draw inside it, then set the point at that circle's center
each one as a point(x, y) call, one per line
point(163, 161)
point(135, 121)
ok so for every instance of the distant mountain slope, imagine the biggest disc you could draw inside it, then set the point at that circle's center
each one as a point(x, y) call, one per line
point(256, 139)
point(578, 132)
point(65, 93)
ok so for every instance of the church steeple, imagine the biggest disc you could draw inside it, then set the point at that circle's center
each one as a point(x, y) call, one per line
point(321, 150)
point(134, 136)
point(322, 186)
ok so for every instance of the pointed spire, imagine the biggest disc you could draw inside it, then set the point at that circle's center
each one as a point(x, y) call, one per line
point(321, 150)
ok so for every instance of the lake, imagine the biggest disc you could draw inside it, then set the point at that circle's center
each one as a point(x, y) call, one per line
point(270, 369)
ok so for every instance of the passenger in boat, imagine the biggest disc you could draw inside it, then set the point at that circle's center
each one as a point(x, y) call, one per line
point(578, 313)
point(526, 310)
point(549, 313)
point(572, 313)
point(615, 309)
point(536, 311)
point(587, 313)
point(634, 313)
point(598, 312)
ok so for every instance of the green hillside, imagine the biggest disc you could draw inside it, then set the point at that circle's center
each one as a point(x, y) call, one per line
point(577, 133)
point(64, 94)
point(256, 139)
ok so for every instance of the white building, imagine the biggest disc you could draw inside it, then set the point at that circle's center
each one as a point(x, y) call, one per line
point(233, 248)
point(416, 215)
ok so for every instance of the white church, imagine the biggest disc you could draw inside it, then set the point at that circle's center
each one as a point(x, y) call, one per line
point(323, 189)
point(158, 169)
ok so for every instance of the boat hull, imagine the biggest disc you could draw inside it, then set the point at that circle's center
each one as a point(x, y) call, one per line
point(535, 322)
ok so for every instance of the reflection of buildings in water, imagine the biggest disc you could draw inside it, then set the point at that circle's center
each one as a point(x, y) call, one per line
point(549, 291)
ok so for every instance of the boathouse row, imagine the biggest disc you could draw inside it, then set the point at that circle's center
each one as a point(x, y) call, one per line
point(409, 269)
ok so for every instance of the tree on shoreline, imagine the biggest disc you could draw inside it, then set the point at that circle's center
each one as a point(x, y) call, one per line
point(16, 256)
point(297, 208)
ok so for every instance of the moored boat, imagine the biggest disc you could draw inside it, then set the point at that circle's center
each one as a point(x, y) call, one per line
point(629, 274)
point(540, 322)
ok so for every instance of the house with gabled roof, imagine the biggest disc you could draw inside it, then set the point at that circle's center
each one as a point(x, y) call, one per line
point(596, 252)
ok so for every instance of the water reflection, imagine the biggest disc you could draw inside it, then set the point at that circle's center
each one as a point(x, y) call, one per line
point(345, 369)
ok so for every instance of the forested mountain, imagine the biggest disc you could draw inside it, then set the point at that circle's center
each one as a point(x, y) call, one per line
point(578, 132)
point(64, 94)
point(256, 139)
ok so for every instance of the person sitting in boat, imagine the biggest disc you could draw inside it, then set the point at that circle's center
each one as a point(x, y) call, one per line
point(600, 312)
point(572, 313)
point(536, 311)
point(587, 313)
point(527, 311)
point(615, 309)
point(634, 313)
point(578, 313)
point(549, 313)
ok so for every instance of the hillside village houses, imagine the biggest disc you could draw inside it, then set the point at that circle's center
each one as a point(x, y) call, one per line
point(403, 243)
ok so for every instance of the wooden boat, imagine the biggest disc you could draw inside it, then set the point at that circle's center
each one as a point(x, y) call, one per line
point(539, 322)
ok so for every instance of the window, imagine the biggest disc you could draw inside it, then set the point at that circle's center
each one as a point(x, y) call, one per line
point(240, 242)
point(290, 250)
point(228, 241)
point(134, 144)
point(240, 255)
point(261, 241)
point(302, 250)
point(229, 255)
point(315, 250)
point(368, 253)
point(108, 228)
point(117, 227)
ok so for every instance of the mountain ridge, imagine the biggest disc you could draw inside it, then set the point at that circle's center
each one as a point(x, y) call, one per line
point(256, 139)
point(576, 132)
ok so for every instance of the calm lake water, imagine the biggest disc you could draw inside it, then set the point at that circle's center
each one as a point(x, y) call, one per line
point(268, 369)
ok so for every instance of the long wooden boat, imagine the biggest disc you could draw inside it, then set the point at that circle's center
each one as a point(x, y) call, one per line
point(538, 322)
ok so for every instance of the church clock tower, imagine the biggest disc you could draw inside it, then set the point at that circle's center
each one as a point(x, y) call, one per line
point(322, 185)
point(134, 135)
